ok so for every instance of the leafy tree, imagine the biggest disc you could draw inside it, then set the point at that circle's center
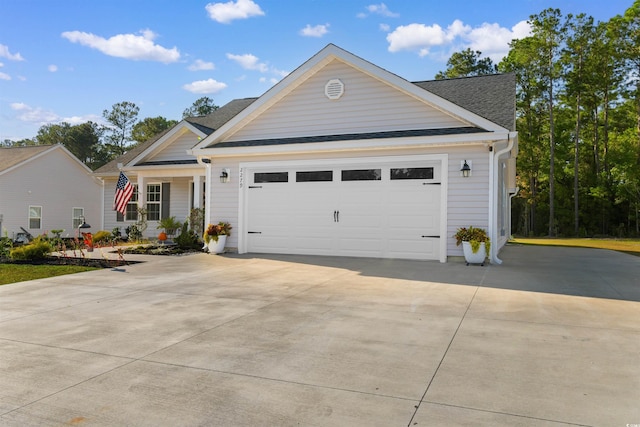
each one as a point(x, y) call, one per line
point(150, 126)
point(467, 63)
point(201, 107)
point(51, 134)
point(122, 117)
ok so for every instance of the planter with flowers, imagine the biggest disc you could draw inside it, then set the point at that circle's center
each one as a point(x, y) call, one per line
point(87, 239)
point(475, 244)
point(215, 237)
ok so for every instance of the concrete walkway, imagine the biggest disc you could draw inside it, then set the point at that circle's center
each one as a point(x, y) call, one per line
point(549, 338)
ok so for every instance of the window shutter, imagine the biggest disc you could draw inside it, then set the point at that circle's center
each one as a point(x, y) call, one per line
point(166, 199)
point(119, 217)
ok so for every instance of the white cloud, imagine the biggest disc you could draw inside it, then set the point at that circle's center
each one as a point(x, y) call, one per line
point(52, 68)
point(4, 76)
point(78, 120)
point(205, 86)
point(227, 12)
point(4, 53)
point(249, 62)
point(381, 9)
point(490, 39)
point(34, 115)
point(128, 46)
point(199, 65)
point(384, 27)
point(316, 31)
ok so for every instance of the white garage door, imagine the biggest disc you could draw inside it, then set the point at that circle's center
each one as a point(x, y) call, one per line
point(368, 210)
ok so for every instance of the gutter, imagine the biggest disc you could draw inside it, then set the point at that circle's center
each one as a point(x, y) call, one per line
point(494, 159)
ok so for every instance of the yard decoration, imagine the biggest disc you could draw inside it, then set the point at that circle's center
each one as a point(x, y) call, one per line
point(476, 244)
point(215, 236)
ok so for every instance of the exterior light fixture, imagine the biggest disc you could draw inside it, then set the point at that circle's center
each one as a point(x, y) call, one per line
point(466, 169)
point(224, 176)
point(84, 224)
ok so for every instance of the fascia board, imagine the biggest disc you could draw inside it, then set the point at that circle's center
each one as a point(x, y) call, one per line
point(359, 145)
point(166, 139)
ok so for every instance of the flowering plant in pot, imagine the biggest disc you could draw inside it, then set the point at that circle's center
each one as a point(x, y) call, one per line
point(472, 240)
point(215, 236)
point(214, 231)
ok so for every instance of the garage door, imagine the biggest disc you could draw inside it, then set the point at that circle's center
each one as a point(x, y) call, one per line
point(367, 210)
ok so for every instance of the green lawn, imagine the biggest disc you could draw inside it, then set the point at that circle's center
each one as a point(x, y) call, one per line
point(11, 273)
point(629, 246)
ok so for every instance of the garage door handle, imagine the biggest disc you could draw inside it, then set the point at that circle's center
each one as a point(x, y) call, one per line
point(432, 237)
point(336, 216)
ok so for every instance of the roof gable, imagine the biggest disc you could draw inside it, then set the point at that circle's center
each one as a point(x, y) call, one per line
point(15, 157)
point(273, 103)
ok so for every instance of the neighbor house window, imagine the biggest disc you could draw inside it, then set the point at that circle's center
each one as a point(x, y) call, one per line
point(77, 217)
point(153, 202)
point(35, 217)
point(132, 206)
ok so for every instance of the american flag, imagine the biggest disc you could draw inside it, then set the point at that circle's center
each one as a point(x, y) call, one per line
point(124, 191)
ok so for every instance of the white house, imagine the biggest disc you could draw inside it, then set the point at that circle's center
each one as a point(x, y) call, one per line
point(345, 158)
point(339, 158)
point(44, 188)
point(167, 180)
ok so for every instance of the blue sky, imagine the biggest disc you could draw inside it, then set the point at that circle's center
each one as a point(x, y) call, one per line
point(68, 60)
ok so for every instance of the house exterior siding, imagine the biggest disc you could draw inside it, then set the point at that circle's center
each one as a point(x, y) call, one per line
point(368, 105)
point(56, 182)
point(468, 198)
point(177, 150)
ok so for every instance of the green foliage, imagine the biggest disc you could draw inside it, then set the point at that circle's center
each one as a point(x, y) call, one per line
point(213, 231)
point(133, 233)
point(6, 244)
point(201, 107)
point(467, 63)
point(196, 221)
point(101, 236)
point(169, 225)
point(39, 248)
point(116, 234)
point(149, 127)
point(187, 239)
point(475, 236)
point(121, 117)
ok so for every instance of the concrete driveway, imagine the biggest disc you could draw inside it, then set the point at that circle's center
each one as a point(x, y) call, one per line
point(549, 338)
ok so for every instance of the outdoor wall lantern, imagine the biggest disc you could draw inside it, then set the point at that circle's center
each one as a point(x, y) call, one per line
point(82, 226)
point(466, 169)
point(224, 176)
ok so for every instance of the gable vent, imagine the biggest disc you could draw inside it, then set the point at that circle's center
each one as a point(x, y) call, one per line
point(334, 89)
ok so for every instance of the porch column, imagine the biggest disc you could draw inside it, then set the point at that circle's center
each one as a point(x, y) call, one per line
point(197, 191)
point(142, 191)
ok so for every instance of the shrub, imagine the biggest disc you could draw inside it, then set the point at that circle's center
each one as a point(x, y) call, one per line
point(6, 244)
point(37, 249)
point(101, 236)
point(133, 233)
point(187, 239)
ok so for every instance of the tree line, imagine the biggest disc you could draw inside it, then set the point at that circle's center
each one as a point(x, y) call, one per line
point(96, 145)
point(578, 119)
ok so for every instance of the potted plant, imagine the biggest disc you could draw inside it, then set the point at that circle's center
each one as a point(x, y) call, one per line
point(475, 244)
point(170, 226)
point(215, 236)
point(87, 239)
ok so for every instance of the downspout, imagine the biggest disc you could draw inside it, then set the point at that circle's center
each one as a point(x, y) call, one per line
point(493, 191)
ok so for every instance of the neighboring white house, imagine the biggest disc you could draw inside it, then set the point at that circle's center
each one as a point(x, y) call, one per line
point(44, 188)
point(344, 158)
point(339, 158)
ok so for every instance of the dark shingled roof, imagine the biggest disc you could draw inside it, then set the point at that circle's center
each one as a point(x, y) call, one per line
point(492, 96)
point(206, 124)
point(350, 137)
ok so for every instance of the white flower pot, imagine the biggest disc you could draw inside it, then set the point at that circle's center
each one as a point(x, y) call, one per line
point(217, 247)
point(474, 258)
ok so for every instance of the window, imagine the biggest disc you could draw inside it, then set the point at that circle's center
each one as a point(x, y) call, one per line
point(132, 207)
point(362, 175)
point(153, 202)
point(35, 217)
point(412, 173)
point(263, 177)
point(77, 217)
point(314, 176)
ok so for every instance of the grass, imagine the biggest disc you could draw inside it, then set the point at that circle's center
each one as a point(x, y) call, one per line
point(629, 246)
point(12, 273)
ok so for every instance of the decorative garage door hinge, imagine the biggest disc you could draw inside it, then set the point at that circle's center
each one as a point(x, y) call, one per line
point(431, 183)
point(255, 186)
point(432, 237)
point(254, 232)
